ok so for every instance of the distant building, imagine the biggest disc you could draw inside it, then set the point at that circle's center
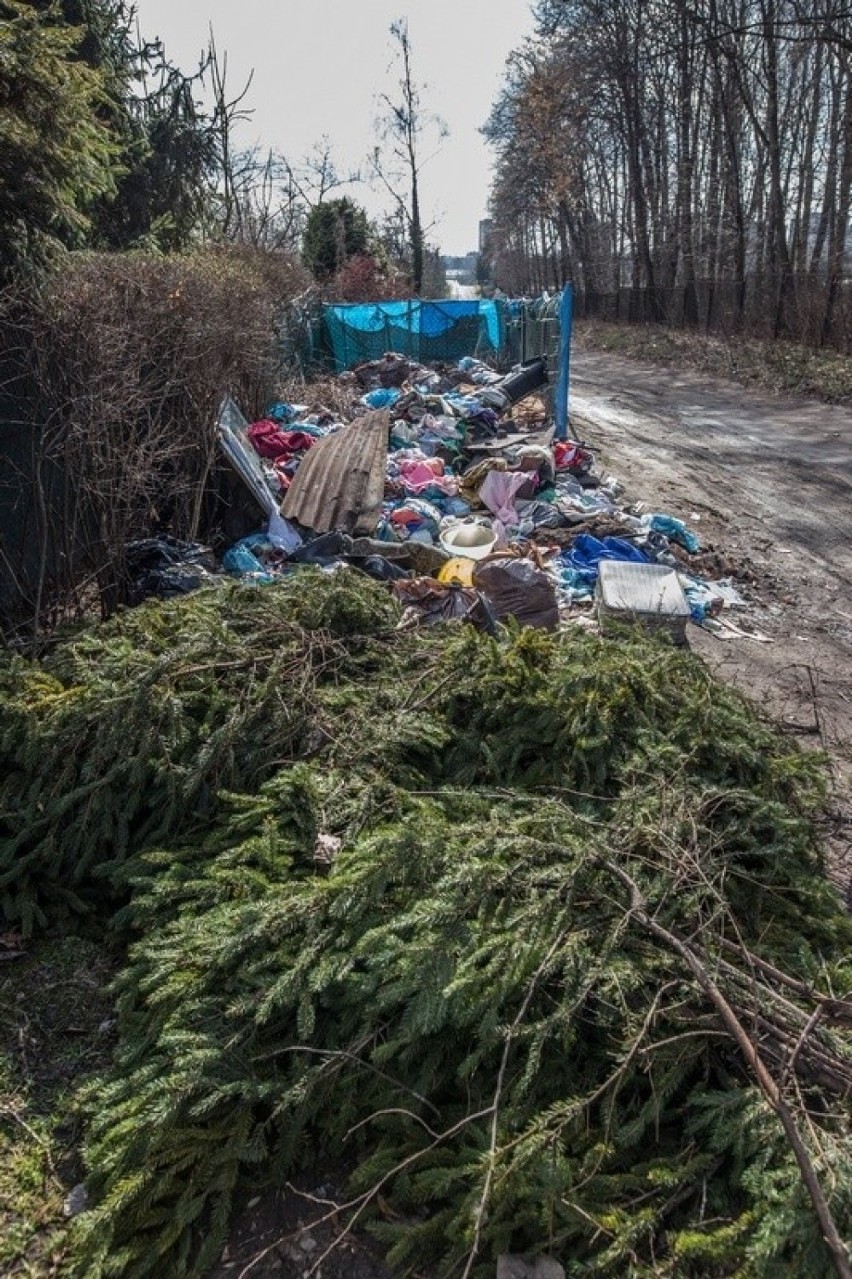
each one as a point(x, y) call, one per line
point(462, 269)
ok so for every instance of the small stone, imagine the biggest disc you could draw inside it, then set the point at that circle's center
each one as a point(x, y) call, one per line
point(548, 1268)
point(75, 1201)
point(509, 1267)
point(308, 1244)
point(326, 848)
point(515, 1267)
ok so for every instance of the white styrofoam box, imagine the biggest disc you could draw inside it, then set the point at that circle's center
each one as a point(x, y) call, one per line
point(648, 593)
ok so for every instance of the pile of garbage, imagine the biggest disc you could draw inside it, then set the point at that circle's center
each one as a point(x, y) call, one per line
point(448, 482)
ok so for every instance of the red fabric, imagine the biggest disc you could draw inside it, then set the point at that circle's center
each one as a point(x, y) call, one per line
point(570, 456)
point(270, 441)
point(266, 439)
point(298, 441)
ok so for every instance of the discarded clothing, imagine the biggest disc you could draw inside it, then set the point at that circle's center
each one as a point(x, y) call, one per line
point(477, 372)
point(418, 476)
point(572, 457)
point(265, 437)
point(535, 514)
point(497, 491)
point(277, 445)
point(416, 514)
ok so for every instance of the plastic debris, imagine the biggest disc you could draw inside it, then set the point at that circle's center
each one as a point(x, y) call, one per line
point(518, 588)
point(471, 540)
point(428, 602)
point(646, 593)
point(165, 567)
point(674, 529)
point(446, 467)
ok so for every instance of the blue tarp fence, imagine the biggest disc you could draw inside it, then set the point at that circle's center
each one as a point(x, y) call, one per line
point(444, 330)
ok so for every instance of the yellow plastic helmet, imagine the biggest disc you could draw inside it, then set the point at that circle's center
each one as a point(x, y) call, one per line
point(458, 570)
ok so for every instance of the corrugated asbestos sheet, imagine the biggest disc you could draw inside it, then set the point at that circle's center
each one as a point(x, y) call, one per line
point(340, 482)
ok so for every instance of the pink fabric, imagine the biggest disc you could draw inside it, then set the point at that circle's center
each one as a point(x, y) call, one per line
point(498, 490)
point(419, 476)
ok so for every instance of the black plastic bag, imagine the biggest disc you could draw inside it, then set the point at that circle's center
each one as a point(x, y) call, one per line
point(444, 602)
point(165, 567)
point(517, 588)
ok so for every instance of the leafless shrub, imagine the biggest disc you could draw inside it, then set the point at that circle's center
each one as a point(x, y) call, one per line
point(115, 368)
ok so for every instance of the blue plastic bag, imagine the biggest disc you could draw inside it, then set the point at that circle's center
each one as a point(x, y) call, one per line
point(381, 398)
point(675, 529)
point(240, 561)
point(281, 412)
point(586, 553)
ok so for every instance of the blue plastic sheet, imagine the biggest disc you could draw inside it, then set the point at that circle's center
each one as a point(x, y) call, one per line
point(586, 553)
point(421, 330)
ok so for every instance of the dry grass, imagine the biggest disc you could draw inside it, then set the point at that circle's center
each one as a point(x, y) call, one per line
point(775, 366)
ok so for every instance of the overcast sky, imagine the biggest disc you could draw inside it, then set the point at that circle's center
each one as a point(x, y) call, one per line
point(319, 67)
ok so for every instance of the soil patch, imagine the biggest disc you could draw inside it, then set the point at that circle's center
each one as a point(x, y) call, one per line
point(767, 483)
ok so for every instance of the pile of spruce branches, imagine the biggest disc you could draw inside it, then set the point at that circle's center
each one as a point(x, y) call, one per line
point(531, 931)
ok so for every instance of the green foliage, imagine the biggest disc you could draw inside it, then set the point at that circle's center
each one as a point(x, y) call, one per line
point(122, 738)
point(335, 231)
point(462, 1002)
point(267, 1010)
point(57, 155)
point(102, 141)
point(165, 192)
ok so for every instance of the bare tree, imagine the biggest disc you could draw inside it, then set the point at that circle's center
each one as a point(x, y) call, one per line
point(692, 163)
point(264, 199)
point(318, 175)
point(227, 112)
point(405, 125)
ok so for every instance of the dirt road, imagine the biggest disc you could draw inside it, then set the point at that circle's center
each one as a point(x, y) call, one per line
point(768, 482)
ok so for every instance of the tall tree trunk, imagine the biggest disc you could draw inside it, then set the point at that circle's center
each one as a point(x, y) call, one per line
point(826, 221)
point(801, 236)
point(778, 257)
point(416, 235)
point(837, 247)
point(684, 245)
